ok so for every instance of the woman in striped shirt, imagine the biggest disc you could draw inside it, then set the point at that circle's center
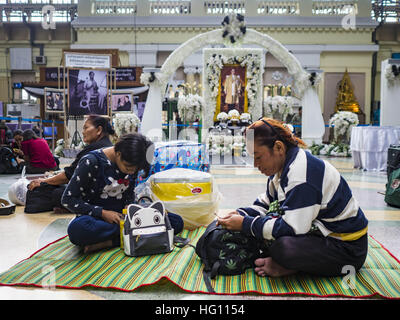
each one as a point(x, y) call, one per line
point(308, 212)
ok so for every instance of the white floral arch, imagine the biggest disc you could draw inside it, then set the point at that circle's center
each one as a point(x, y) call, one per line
point(312, 124)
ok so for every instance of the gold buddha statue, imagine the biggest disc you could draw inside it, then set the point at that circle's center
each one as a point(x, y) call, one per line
point(346, 100)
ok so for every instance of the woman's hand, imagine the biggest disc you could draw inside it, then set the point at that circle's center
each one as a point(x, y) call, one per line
point(112, 216)
point(231, 222)
point(35, 183)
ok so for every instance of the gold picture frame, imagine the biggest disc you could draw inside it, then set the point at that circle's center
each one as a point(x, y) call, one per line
point(238, 100)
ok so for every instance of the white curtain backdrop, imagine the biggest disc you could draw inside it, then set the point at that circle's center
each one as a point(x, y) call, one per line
point(151, 125)
point(312, 123)
point(390, 97)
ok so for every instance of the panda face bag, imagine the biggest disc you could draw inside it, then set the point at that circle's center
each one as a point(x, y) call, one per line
point(147, 230)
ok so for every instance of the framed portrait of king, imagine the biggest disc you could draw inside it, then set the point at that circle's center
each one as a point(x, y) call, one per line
point(232, 89)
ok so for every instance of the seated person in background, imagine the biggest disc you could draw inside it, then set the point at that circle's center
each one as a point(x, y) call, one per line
point(37, 128)
point(5, 134)
point(37, 154)
point(102, 186)
point(96, 134)
point(17, 146)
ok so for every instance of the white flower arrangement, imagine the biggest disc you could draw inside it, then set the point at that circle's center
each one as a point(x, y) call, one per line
point(190, 106)
point(234, 115)
point(336, 150)
point(343, 121)
point(222, 117)
point(245, 117)
point(125, 123)
point(392, 73)
point(304, 80)
point(233, 29)
point(150, 77)
point(278, 106)
point(146, 78)
point(315, 79)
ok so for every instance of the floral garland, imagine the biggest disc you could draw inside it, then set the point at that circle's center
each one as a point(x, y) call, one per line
point(125, 123)
point(315, 79)
point(190, 107)
point(174, 61)
point(214, 62)
point(233, 29)
point(343, 121)
point(147, 78)
point(278, 106)
point(392, 73)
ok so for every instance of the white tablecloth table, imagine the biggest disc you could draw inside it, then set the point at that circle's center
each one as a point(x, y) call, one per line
point(369, 146)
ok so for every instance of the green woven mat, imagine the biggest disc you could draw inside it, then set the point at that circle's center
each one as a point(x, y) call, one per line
point(61, 264)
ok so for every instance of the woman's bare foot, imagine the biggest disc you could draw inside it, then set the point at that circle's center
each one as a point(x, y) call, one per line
point(268, 267)
point(97, 246)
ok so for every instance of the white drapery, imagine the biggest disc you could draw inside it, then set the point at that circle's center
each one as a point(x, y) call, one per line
point(369, 146)
point(390, 97)
point(151, 125)
point(312, 122)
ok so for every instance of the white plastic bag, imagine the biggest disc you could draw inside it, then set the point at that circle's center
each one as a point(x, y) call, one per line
point(17, 191)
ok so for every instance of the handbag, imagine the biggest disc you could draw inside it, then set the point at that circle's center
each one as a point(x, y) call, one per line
point(148, 231)
point(43, 198)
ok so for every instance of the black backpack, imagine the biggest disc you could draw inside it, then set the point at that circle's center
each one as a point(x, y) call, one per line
point(8, 161)
point(226, 252)
point(43, 198)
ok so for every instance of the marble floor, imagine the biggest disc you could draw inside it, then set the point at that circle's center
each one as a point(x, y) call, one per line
point(22, 234)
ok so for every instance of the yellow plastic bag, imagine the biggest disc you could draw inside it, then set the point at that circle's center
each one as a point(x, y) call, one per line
point(189, 193)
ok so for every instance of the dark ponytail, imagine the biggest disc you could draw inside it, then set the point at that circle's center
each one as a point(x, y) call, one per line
point(29, 134)
point(99, 121)
point(136, 150)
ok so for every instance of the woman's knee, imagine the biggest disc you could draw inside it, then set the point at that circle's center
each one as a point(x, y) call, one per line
point(284, 250)
point(78, 230)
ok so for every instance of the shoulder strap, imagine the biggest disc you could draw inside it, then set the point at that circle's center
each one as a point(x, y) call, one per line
point(211, 274)
point(207, 281)
point(182, 242)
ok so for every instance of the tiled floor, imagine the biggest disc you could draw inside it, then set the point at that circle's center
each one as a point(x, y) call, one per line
point(22, 234)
